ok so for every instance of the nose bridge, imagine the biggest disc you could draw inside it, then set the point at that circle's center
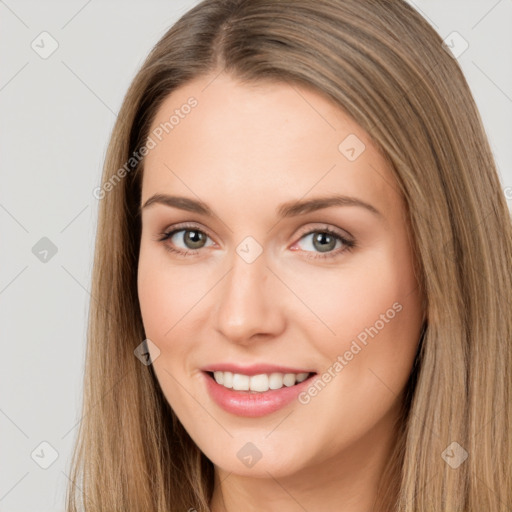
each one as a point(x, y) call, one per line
point(247, 302)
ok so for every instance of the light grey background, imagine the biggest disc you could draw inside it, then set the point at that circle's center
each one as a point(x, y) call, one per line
point(56, 117)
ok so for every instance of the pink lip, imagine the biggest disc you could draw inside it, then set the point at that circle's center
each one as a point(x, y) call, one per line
point(254, 369)
point(253, 404)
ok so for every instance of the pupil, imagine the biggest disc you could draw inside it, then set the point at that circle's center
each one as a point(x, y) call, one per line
point(321, 238)
point(195, 237)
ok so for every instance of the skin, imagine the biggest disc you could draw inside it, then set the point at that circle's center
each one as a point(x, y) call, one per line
point(244, 150)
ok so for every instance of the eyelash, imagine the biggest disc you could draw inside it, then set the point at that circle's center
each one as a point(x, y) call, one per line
point(349, 244)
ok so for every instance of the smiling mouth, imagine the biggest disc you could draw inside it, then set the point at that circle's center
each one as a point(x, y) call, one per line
point(257, 384)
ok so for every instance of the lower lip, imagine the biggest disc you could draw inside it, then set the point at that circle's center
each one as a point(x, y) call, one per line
point(250, 403)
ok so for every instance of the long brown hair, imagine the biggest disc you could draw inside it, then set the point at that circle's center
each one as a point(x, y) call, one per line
point(385, 66)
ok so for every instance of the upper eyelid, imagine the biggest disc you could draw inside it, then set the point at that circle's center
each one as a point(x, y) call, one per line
point(176, 228)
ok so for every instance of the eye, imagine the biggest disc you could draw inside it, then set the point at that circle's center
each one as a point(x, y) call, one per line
point(325, 241)
point(185, 240)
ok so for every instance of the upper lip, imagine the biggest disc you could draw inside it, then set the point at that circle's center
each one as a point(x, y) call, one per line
point(254, 369)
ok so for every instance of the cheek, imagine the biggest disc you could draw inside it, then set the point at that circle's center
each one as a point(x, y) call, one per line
point(156, 299)
point(355, 296)
point(376, 317)
point(167, 293)
point(165, 299)
point(173, 302)
point(369, 313)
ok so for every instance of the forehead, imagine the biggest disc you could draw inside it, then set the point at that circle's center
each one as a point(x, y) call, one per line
point(263, 140)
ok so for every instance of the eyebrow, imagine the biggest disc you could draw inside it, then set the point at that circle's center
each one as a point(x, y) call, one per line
point(289, 209)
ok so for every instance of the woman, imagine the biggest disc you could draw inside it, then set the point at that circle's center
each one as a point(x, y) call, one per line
point(302, 274)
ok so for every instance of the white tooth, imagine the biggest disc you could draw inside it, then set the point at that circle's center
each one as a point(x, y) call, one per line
point(302, 376)
point(259, 382)
point(289, 379)
point(240, 382)
point(275, 381)
point(228, 379)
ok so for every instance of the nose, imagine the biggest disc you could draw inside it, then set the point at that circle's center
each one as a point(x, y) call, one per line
point(249, 303)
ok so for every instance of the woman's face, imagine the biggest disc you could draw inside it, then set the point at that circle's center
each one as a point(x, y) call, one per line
point(258, 287)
